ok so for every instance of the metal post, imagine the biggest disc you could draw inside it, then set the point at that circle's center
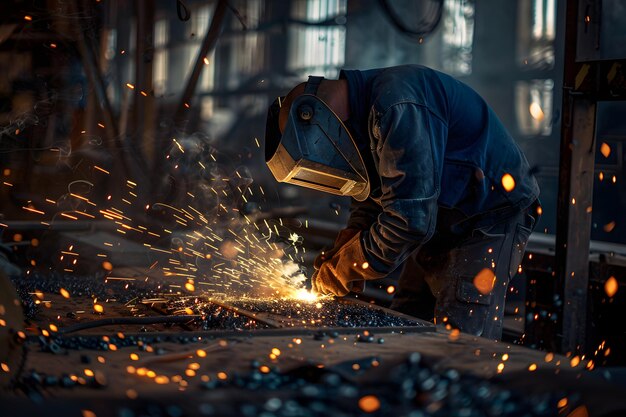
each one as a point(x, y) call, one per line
point(574, 205)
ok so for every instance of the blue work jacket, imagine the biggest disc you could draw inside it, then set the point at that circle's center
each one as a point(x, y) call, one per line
point(432, 146)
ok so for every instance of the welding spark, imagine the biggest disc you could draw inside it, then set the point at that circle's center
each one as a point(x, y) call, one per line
point(305, 295)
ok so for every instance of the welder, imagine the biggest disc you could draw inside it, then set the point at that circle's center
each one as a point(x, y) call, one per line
point(442, 196)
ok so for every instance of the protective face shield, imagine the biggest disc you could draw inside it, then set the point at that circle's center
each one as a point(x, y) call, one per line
point(316, 150)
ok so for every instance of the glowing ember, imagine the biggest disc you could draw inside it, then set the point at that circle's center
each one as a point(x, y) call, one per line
point(605, 149)
point(610, 286)
point(161, 379)
point(484, 281)
point(369, 403)
point(508, 182)
point(609, 227)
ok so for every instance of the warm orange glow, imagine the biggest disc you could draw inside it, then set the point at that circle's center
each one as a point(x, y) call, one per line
point(484, 281)
point(454, 335)
point(580, 411)
point(304, 295)
point(609, 227)
point(391, 289)
point(508, 182)
point(107, 265)
point(369, 403)
point(65, 293)
point(98, 308)
point(536, 111)
point(605, 150)
point(611, 286)
point(161, 379)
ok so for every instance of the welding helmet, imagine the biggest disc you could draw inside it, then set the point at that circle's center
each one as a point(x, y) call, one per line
point(315, 150)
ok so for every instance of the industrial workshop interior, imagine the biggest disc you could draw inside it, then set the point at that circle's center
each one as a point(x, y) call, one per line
point(282, 208)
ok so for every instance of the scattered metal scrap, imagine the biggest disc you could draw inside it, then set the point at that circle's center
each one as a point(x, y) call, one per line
point(293, 313)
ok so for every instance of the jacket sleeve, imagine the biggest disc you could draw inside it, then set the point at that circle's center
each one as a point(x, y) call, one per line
point(410, 142)
point(363, 214)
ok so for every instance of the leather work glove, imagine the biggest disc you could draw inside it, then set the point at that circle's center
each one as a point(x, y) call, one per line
point(343, 236)
point(346, 271)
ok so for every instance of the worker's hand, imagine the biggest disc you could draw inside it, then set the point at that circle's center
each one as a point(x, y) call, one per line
point(342, 238)
point(346, 271)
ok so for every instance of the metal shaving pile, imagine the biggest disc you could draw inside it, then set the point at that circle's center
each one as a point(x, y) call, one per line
point(324, 313)
point(91, 286)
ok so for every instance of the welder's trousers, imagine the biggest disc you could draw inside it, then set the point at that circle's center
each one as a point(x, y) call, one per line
point(467, 274)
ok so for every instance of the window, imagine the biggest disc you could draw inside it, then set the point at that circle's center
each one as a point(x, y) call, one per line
point(314, 49)
point(458, 33)
point(161, 36)
point(200, 20)
point(537, 30)
point(533, 107)
point(247, 46)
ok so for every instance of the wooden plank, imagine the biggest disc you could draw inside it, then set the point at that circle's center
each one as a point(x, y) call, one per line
point(574, 266)
point(574, 204)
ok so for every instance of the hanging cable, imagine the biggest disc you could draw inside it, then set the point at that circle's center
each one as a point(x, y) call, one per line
point(425, 27)
point(182, 11)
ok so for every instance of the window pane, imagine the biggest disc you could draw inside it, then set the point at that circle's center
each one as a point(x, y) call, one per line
point(533, 107)
point(458, 33)
point(536, 32)
point(317, 50)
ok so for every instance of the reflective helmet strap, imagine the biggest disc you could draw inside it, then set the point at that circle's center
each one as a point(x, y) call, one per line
point(312, 85)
